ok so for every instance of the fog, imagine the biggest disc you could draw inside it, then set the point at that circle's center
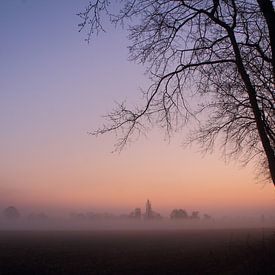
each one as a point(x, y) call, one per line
point(69, 224)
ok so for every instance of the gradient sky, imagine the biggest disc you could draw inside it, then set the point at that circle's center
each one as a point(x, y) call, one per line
point(54, 87)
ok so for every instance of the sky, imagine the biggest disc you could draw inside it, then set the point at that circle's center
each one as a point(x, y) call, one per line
point(54, 88)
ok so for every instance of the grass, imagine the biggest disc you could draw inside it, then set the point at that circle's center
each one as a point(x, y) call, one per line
point(138, 252)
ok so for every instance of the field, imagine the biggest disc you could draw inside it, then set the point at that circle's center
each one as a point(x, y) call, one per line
point(231, 251)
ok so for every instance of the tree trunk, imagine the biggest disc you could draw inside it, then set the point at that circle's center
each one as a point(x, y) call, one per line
point(267, 9)
point(267, 146)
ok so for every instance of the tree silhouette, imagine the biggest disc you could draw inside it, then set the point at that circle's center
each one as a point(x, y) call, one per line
point(11, 213)
point(212, 64)
point(178, 214)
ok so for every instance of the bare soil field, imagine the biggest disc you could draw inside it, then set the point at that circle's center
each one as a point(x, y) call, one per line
point(232, 251)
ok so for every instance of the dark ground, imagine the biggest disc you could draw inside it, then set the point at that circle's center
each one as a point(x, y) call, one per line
point(138, 252)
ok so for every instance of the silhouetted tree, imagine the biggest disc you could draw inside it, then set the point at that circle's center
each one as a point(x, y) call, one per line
point(11, 213)
point(174, 213)
point(210, 61)
point(136, 214)
point(178, 214)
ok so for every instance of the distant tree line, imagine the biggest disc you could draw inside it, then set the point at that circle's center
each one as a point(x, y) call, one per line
point(12, 213)
point(182, 214)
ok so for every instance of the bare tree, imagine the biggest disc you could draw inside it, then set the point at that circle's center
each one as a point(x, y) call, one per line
point(210, 61)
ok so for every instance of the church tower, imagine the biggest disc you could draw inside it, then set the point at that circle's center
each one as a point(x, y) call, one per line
point(148, 210)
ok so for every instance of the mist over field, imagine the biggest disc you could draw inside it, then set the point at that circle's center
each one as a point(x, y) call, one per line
point(164, 224)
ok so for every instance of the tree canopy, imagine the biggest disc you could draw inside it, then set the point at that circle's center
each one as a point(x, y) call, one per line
point(210, 61)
